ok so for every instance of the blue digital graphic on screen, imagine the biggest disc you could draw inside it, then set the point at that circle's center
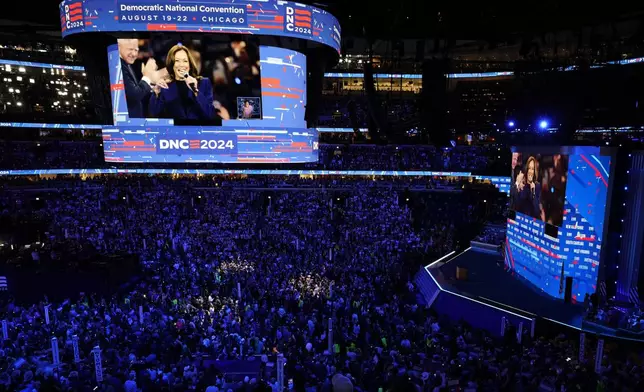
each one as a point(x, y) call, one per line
point(258, 17)
point(204, 145)
point(546, 261)
point(280, 136)
point(283, 89)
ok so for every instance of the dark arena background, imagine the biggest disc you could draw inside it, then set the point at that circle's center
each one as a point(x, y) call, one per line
point(267, 195)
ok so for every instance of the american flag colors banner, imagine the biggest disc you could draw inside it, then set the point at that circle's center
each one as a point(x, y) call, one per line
point(258, 17)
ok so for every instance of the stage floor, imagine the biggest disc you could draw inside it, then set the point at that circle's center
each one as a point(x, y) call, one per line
point(488, 282)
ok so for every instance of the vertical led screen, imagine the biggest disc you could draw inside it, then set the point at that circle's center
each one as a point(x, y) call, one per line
point(560, 202)
point(192, 100)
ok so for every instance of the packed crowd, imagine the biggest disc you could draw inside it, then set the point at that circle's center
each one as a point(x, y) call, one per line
point(487, 160)
point(300, 257)
point(17, 47)
point(229, 181)
point(335, 111)
point(51, 155)
point(477, 159)
point(36, 94)
point(217, 242)
point(492, 234)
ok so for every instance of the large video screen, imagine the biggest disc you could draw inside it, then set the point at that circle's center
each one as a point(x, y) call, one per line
point(193, 81)
point(582, 174)
point(539, 186)
point(258, 100)
point(258, 17)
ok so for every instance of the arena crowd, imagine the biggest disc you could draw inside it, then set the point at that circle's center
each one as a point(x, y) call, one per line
point(81, 154)
point(301, 256)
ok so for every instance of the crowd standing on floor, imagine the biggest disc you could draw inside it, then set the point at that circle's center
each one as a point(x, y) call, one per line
point(299, 258)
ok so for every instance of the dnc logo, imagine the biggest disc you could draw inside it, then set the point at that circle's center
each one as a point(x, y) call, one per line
point(298, 20)
point(72, 15)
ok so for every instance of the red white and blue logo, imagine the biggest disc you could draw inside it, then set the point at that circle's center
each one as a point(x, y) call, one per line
point(221, 144)
point(298, 20)
point(71, 15)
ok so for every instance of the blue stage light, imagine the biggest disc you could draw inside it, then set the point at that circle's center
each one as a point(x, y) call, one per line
point(511, 124)
point(543, 124)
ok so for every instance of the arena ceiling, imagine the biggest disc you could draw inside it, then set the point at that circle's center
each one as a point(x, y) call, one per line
point(423, 18)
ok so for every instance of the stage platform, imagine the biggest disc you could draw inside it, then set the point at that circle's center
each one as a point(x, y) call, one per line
point(489, 282)
point(491, 293)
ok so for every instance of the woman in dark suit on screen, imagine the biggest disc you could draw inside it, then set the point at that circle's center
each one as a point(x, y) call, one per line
point(188, 96)
point(530, 190)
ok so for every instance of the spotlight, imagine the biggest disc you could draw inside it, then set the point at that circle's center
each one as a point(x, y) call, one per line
point(511, 124)
point(543, 124)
